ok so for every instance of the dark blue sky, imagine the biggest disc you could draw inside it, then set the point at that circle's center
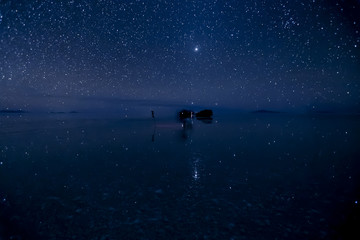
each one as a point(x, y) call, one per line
point(281, 55)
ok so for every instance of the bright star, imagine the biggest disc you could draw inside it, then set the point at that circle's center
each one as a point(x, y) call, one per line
point(196, 49)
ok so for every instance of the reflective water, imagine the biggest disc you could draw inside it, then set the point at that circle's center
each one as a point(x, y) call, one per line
point(249, 176)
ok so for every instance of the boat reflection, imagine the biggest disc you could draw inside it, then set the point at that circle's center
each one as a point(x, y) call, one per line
point(186, 128)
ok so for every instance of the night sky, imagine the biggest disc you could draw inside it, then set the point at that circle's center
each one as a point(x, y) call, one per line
point(278, 55)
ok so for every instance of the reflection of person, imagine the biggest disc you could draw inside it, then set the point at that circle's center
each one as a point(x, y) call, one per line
point(153, 117)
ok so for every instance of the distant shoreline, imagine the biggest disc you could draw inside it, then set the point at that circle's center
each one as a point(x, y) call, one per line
point(11, 111)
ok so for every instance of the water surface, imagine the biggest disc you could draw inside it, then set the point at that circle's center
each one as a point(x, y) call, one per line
point(247, 176)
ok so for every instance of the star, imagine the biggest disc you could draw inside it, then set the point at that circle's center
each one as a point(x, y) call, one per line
point(196, 49)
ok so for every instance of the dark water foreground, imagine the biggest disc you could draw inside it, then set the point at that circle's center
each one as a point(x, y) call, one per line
point(254, 176)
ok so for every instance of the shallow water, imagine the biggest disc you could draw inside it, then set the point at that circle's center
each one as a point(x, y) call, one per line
point(247, 176)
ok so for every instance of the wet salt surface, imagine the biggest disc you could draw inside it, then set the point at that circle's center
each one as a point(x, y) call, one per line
point(253, 176)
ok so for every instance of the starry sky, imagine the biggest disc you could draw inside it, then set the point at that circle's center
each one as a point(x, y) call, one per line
point(269, 54)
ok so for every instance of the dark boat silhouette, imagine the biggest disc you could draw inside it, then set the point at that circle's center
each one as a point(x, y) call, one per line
point(204, 114)
point(184, 114)
point(207, 113)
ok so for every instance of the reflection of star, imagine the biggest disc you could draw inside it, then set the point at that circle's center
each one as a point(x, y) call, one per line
point(196, 49)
